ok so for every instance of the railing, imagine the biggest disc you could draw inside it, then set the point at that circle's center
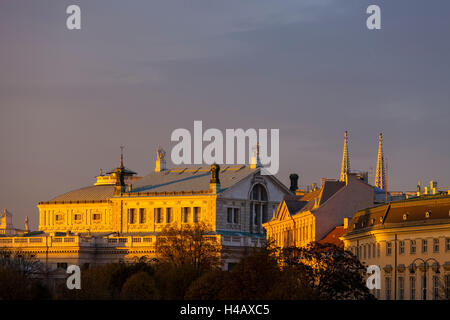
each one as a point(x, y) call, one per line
point(111, 242)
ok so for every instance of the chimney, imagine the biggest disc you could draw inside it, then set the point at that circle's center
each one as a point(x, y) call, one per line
point(214, 182)
point(346, 223)
point(294, 182)
point(255, 161)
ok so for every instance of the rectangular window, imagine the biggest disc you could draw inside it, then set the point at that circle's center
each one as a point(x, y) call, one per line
point(435, 288)
point(378, 250)
point(186, 213)
point(424, 246)
point(412, 246)
point(412, 288)
point(141, 215)
point(387, 287)
point(256, 211)
point(158, 215)
point(197, 211)
point(236, 216)
point(77, 217)
point(96, 217)
point(447, 244)
point(62, 265)
point(435, 245)
point(368, 250)
point(131, 216)
point(401, 247)
point(229, 215)
point(388, 248)
point(168, 215)
point(401, 288)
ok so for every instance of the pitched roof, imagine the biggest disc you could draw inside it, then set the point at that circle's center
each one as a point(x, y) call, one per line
point(328, 189)
point(403, 213)
point(333, 236)
point(91, 193)
point(297, 204)
point(195, 178)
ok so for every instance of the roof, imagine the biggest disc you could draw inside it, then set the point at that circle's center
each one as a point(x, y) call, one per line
point(91, 193)
point(195, 178)
point(333, 236)
point(298, 204)
point(328, 189)
point(403, 213)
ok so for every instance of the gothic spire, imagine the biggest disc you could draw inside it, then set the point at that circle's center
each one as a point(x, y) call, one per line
point(380, 176)
point(345, 168)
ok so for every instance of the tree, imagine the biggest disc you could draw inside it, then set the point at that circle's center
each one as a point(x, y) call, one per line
point(140, 286)
point(173, 281)
point(207, 287)
point(189, 245)
point(292, 284)
point(253, 277)
point(20, 274)
point(23, 262)
point(332, 272)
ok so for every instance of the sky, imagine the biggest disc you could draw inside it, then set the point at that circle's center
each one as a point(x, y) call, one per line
point(137, 70)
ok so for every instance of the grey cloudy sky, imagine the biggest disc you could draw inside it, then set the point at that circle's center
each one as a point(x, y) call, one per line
point(140, 69)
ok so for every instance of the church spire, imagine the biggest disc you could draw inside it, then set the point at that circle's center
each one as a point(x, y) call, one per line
point(345, 168)
point(380, 176)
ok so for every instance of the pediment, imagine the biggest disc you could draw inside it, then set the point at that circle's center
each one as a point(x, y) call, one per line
point(283, 212)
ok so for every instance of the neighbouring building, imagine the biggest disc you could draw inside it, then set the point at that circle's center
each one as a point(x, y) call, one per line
point(410, 242)
point(6, 225)
point(318, 213)
point(301, 219)
point(119, 217)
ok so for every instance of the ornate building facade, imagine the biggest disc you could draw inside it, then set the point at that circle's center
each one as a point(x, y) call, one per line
point(301, 219)
point(120, 216)
point(409, 241)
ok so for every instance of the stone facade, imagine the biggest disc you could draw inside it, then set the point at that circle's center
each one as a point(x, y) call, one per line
point(409, 241)
point(95, 225)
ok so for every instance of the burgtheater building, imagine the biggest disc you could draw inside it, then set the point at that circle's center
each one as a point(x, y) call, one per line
point(119, 217)
point(409, 241)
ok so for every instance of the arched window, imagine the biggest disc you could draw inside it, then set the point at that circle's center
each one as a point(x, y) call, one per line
point(258, 207)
